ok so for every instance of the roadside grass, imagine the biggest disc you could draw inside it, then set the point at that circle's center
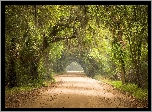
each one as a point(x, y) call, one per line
point(139, 93)
point(15, 90)
point(29, 87)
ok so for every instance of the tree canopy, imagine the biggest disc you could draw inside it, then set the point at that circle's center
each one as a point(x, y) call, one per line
point(110, 40)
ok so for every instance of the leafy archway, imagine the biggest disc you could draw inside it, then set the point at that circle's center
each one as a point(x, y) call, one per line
point(88, 63)
point(104, 39)
point(74, 66)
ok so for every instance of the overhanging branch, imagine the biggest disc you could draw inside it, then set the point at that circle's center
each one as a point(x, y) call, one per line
point(61, 38)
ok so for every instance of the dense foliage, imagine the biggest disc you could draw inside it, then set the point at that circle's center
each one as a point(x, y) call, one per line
point(110, 40)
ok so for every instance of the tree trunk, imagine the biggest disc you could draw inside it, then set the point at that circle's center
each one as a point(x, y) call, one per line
point(123, 78)
point(34, 68)
point(12, 74)
point(139, 64)
point(120, 33)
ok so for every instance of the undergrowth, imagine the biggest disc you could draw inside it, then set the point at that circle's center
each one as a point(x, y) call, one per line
point(29, 87)
point(139, 93)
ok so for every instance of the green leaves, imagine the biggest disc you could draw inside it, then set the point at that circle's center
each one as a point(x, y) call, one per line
point(55, 52)
point(104, 38)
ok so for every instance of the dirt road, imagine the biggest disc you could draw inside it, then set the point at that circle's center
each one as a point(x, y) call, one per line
point(75, 90)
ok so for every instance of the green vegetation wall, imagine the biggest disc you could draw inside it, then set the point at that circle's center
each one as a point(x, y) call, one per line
point(108, 40)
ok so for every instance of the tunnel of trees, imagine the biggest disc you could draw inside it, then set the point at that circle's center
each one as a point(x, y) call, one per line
point(74, 67)
point(42, 40)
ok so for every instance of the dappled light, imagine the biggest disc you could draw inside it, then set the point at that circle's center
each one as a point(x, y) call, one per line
point(82, 56)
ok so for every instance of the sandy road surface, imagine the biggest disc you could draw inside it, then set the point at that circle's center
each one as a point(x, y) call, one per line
point(75, 90)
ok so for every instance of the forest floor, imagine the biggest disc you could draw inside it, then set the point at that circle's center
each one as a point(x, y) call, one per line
point(73, 90)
